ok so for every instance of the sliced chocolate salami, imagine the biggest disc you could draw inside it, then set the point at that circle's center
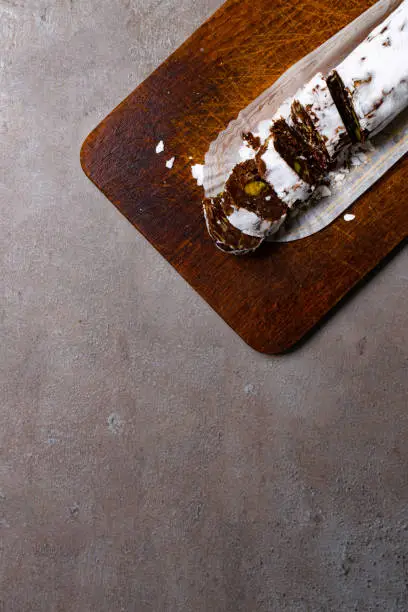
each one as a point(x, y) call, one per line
point(315, 115)
point(251, 203)
point(288, 186)
point(344, 103)
point(309, 162)
point(227, 237)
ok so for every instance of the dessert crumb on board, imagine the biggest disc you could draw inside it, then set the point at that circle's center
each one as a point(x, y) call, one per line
point(198, 173)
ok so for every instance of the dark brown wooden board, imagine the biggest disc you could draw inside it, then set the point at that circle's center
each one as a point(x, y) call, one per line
point(274, 298)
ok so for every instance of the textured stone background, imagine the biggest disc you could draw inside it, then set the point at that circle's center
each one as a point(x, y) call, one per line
point(149, 460)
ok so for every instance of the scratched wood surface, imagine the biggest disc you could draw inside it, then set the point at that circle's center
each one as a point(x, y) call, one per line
point(274, 298)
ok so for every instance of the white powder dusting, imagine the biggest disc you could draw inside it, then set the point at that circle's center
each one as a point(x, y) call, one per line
point(286, 183)
point(376, 72)
point(251, 224)
point(170, 163)
point(264, 129)
point(349, 217)
point(160, 147)
point(246, 152)
point(198, 174)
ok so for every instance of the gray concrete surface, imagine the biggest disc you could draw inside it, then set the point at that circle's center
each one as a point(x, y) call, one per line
point(149, 460)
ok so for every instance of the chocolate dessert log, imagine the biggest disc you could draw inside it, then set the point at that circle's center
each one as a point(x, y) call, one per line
point(370, 87)
point(251, 204)
point(287, 156)
point(226, 237)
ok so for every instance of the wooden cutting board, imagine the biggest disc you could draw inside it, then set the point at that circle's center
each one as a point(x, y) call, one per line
point(274, 298)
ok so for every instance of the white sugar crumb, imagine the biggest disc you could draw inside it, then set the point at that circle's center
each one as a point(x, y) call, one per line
point(362, 157)
point(323, 191)
point(359, 158)
point(268, 198)
point(170, 163)
point(250, 389)
point(160, 147)
point(339, 178)
point(198, 173)
point(367, 146)
point(349, 217)
point(115, 424)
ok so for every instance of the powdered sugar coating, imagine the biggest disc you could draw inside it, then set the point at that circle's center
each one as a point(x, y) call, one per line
point(246, 152)
point(286, 183)
point(263, 131)
point(249, 223)
point(376, 72)
point(317, 100)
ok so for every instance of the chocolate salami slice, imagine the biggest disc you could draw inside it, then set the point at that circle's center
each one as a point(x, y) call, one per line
point(252, 204)
point(344, 102)
point(227, 237)
point(308, 161)
point(288, 186)
point(315, 115)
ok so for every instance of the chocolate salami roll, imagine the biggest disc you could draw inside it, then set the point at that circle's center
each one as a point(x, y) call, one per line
point(288, 155)
point(370, 87)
